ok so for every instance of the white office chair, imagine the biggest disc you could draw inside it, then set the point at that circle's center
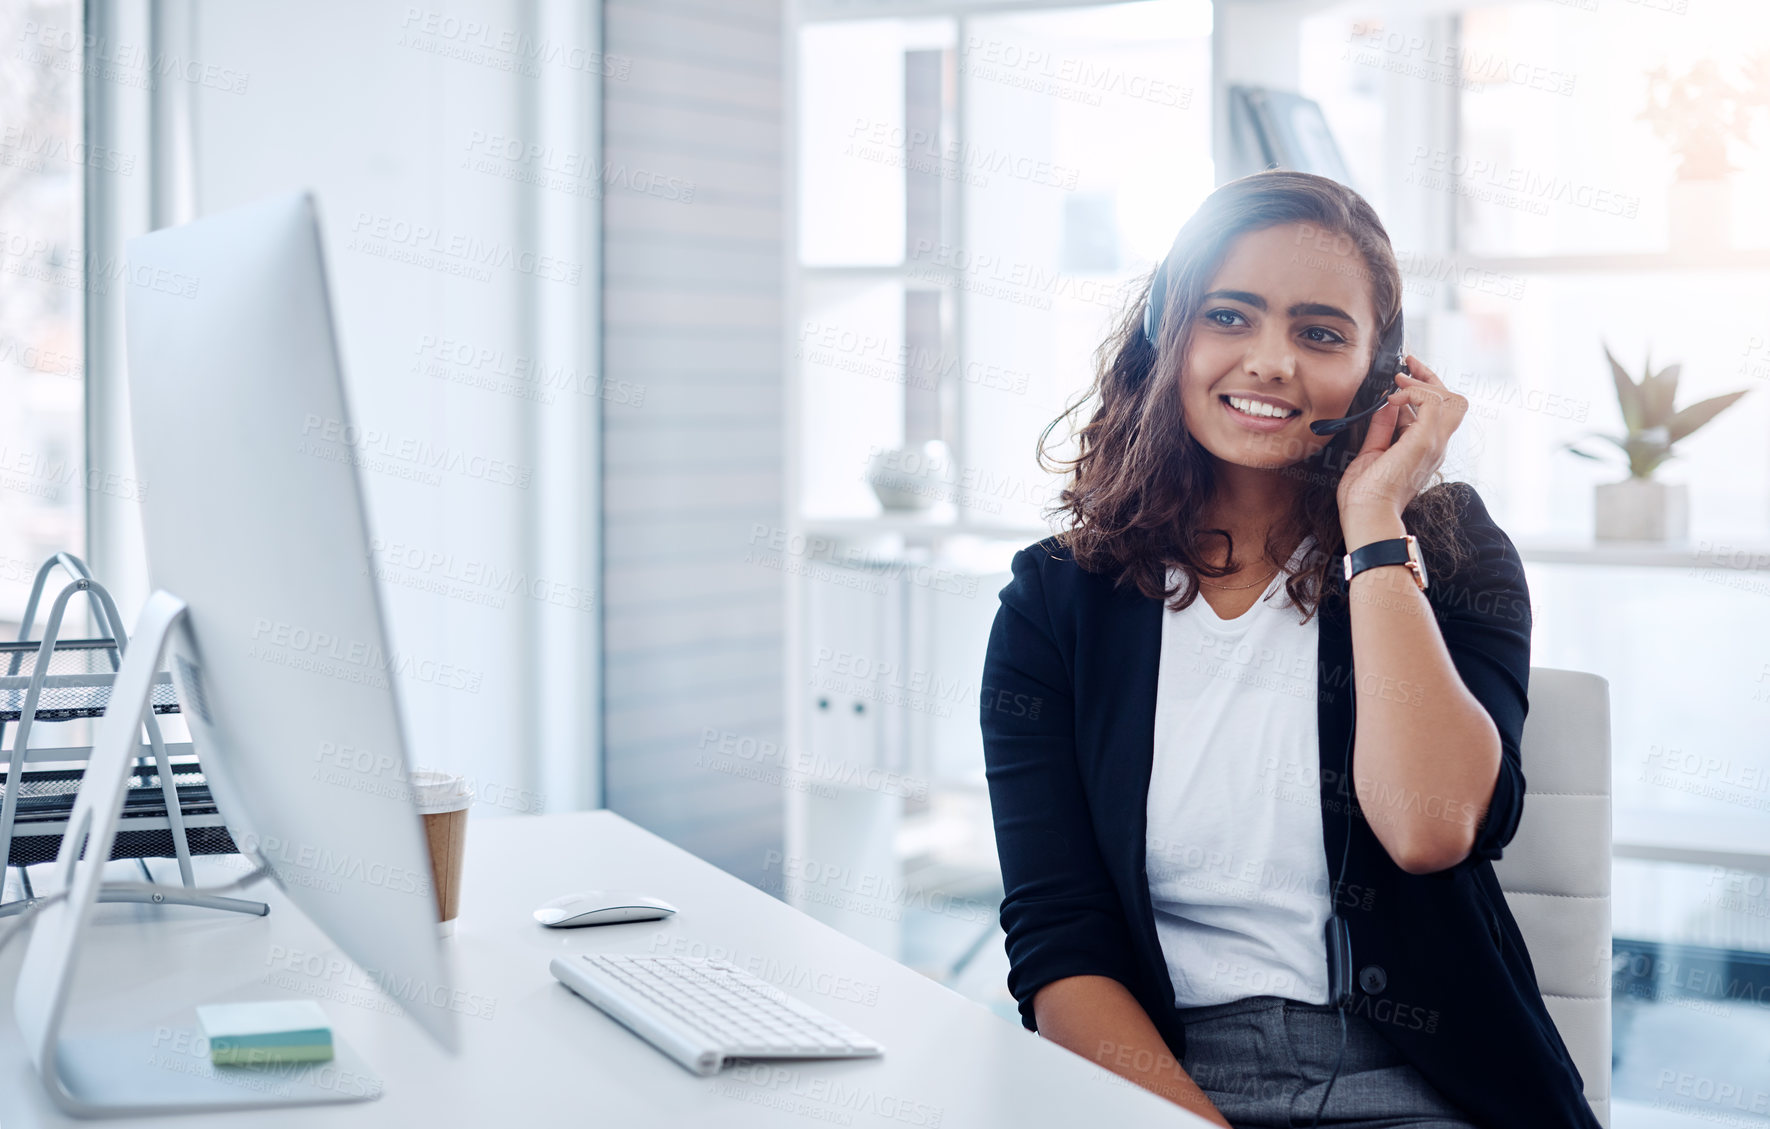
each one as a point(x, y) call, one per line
point(1556, 871)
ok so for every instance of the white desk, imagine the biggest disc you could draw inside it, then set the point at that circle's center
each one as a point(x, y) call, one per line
point(530, 1048)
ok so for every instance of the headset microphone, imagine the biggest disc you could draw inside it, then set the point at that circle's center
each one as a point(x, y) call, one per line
point(1338, 933)
point(1379, 383)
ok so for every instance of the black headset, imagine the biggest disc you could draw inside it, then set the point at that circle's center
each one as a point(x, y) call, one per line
point(1337, 932)
point(1378, 384)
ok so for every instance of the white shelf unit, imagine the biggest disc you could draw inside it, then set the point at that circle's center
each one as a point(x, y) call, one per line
point(1699, 553)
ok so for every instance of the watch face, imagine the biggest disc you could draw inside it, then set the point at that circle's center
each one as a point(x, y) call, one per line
point(1413, 554)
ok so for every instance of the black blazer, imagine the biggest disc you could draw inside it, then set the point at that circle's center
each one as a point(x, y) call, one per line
point(1068, 716)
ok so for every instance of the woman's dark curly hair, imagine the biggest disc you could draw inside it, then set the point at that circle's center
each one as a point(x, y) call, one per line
point(1139, 479)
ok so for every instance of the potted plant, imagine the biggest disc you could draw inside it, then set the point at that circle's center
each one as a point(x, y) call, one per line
point(1696, 113)
point(1638, 508)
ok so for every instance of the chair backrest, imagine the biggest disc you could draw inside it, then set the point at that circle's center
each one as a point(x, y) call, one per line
point(1556, 871)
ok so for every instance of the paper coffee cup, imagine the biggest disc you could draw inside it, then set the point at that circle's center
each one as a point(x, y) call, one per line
point(442, 800)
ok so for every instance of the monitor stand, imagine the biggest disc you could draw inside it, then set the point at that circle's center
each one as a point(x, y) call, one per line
point(163, 1068)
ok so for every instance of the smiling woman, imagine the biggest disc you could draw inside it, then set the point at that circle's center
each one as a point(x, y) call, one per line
point(1247, 848)
point(1278, 288)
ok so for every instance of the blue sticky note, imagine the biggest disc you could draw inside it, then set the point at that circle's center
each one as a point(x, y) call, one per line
point(266, 1031)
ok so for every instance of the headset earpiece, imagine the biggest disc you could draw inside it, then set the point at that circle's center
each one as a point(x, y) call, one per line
point(1152, 308)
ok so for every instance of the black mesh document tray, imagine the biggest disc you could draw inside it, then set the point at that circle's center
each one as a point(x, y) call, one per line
point(46, 799)
point(77, 684)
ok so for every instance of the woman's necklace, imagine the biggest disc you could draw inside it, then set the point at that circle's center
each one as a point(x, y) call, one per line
point(1236, 587)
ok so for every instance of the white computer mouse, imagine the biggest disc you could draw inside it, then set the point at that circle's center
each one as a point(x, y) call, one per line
point(602, 907)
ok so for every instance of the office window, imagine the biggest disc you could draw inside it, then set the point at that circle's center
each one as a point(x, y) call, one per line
point(1085, 167)
point(42, 283)
point(964, 253)
point(1354, 99)
point(1563, 163)
point(980, 195)
point(1579, 228)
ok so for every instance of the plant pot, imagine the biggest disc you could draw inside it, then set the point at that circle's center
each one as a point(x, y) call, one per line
point(911, 478)
point(1699, 215)
point(1640, 509)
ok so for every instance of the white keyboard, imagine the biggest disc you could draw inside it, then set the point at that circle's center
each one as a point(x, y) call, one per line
point(703, 1012)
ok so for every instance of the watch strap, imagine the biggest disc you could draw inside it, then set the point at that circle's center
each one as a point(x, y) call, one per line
point(1390, 551)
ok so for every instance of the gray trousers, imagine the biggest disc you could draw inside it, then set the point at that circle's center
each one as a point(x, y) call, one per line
point(1265, 1060)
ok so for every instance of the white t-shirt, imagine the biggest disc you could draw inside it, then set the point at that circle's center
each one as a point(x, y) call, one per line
point(1234, 854)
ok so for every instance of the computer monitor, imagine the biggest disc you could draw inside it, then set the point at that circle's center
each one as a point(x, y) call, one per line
point(254, 518)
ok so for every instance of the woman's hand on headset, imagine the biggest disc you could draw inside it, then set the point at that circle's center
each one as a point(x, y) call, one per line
point(1404, 445)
